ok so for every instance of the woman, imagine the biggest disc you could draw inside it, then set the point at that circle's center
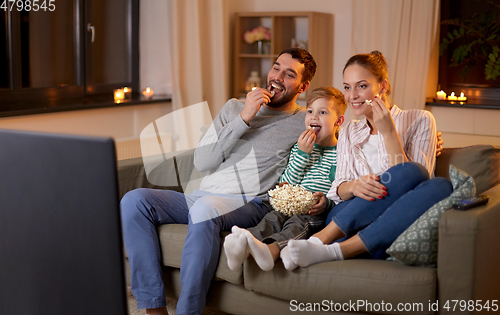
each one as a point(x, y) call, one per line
point(385, 162)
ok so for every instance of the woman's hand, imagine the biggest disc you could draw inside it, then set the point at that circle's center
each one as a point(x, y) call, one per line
point(320, 206)
point(306, 141)
point(382, 118)
point(367, 187)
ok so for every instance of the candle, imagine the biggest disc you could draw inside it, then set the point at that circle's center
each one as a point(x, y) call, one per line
point(462, 97)
point(127, 92)
point(119, 95)
point(148, 93)
point(441, 95)
point(452, 97)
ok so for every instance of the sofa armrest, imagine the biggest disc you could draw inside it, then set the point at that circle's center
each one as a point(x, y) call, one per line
point(171, 172)
point(469, 252)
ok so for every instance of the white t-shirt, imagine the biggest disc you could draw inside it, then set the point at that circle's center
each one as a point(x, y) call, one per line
point(370, 150)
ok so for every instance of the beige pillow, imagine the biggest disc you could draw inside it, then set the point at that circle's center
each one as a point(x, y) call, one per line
point(482, 162)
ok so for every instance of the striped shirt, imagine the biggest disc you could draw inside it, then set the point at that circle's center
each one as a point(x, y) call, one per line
point(417, 132)
point(314, 172)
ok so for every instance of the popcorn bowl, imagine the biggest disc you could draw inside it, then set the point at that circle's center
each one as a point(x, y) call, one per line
point(293, 205)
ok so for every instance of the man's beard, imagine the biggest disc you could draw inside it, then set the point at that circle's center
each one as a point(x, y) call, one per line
point(284, 99)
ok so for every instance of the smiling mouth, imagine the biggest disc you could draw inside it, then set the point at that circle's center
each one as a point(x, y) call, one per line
point(275, 88)
point(358, 104)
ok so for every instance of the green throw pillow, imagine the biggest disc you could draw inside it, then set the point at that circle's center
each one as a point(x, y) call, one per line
point(418, 245)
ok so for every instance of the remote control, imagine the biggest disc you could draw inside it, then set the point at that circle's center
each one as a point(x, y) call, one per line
point(472, 202)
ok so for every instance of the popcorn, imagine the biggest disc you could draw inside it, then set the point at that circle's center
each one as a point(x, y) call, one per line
point(291, 199)
point(369, 102)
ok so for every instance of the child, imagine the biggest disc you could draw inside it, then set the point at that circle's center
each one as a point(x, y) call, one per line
point(312, 166)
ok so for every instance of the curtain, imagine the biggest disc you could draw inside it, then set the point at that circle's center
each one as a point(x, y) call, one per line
point(404, 31)
point(199, 31)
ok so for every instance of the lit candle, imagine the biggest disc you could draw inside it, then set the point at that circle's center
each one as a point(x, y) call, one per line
point(441, 95)
point(127, 92)
point(148, 93)
point(462, 97)
point(452, 97)
point(119, 95)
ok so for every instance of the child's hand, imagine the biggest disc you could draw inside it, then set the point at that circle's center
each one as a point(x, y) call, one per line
point(320, 206)
point(306, 141)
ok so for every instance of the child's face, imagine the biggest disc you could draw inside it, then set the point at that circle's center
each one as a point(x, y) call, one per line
point(322, 117)
point(360, 85)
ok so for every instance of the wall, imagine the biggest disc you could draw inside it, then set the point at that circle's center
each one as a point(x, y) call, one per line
point(467, 126)
point(154, 51)
point(124, 124)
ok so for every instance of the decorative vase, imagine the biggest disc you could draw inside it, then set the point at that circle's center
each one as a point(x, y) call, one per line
point(263, 47)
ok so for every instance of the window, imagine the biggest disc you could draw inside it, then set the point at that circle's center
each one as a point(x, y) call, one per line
point(473, 28)
point(75, 54)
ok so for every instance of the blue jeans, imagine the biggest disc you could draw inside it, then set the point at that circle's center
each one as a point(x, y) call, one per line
point(378, 223)
point(206, 214)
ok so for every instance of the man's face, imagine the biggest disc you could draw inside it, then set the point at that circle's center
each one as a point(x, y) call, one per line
point(285, 79)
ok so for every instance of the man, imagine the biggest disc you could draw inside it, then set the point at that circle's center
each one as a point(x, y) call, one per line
point(244, 153)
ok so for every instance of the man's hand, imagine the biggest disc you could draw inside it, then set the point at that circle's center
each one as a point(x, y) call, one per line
point(320, 206)
point(306, 141)
point(439, 144)
point(254, 100)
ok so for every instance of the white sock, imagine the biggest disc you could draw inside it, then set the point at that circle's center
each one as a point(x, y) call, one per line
point(308, 252)
point(235, 247)
point(257, 249)
point(236, 230)
point(287, 259)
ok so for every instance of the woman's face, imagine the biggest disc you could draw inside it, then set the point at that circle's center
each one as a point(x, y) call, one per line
point(360, 85)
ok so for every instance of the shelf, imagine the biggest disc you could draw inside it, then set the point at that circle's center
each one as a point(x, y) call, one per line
point(256, 56)
point(470, 103)
point(313, 28)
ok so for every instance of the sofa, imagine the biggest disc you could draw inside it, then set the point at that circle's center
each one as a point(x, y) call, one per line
point(466, 279)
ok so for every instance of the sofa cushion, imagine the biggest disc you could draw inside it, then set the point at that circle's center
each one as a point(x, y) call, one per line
point(482, 162)
point(347, 281)
point(172, 237)
point(418, 244)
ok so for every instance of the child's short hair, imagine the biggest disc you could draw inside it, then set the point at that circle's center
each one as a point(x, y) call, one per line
point(329, 93)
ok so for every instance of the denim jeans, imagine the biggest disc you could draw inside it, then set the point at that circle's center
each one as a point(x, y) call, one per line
point(206, 214)
point(378, 223)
